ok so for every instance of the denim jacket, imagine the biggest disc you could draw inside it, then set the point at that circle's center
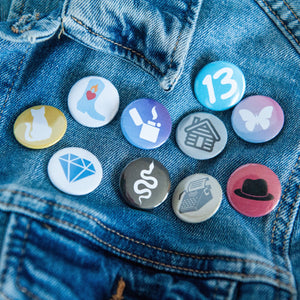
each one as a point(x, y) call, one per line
point(57, 246)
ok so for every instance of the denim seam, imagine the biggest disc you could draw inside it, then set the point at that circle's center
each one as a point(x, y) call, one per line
point(288, 224)
point(6, 257)
point(14, 28)
point(133, 240)
point(176, 45)
point(129, 254)
point(279, 19)
point(232, 285)
point(13, 83)
point(216, 290)
point(291, 10)
point(117, 44)
point(23, 289)
point(22, 8)
point(283, 197)
point(5, 296)
point(138, 53)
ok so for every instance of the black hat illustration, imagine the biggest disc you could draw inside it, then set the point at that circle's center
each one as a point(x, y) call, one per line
point(255, 190)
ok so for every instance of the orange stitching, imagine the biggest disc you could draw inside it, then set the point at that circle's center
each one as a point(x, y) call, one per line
point(292, 11)
point(118, 44)
point(22, 7)
point(231, 259)
point(290, 219)
point(173, 52)
point(16, 30)
point(14, 80)
point(283, 197)
point(288, 30)
point(120, 290)
point(142, 243)
point(216, 289)
point(273, 229)
point(179, 36)
point(137, 53)
point(189, 270)
point(20, 266)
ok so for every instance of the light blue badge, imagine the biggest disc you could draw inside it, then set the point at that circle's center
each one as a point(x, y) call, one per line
point(146, 123)
point(219, 85)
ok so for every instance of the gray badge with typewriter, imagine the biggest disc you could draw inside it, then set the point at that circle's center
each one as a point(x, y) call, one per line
point(197, 198)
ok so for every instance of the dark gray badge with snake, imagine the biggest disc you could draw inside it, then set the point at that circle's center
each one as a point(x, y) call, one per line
point(145, 183)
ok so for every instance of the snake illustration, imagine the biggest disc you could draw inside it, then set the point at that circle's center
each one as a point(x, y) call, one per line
point(145, 192)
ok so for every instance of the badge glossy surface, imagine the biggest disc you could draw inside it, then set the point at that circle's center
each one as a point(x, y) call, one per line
point(219, 85)
point(197, 198)
point(40, 127)
point(146, 123)
point(75, 171)
point(257, 119)
point(145, 183)
point(201, 135)
point(253, 190)
point(93, 101)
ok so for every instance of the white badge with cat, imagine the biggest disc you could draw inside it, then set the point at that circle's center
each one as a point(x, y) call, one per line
point(40, 127)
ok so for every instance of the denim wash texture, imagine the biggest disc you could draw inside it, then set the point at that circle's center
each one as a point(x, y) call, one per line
point(57, 246)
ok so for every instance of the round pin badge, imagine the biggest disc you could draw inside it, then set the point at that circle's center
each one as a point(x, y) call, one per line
point(257, 119)
point(40, 127)
point(253, 190)
point(145, 183)
point(146, 123)
point(197, 198)
point(201, 135)
point(75, 171)
point(219, 85)
point(93, 101)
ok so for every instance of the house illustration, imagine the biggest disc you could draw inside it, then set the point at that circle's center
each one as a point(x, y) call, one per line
point(201, 134)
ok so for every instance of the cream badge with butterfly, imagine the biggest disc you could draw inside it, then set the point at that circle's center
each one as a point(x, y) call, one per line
point(257, 119)
point(40, 127)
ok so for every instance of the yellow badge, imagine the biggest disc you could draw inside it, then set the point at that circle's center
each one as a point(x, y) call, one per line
point(40, 127)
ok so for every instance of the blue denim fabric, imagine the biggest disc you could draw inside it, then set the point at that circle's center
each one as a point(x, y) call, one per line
point(57, 246)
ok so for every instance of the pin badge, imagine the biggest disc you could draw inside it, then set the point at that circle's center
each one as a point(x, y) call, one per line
point(197, 198)
point(93, 101)
point(146, 123)
point(40, 127)
point(257, 119)
point(145, 183)
point(219, 85)
point(253, 190)
point(201, 135)
point(75, 171)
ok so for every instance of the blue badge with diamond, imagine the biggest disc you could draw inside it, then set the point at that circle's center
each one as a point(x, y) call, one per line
point(75, 171)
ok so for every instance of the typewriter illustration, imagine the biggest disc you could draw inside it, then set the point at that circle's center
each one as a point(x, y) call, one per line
point(197, 195)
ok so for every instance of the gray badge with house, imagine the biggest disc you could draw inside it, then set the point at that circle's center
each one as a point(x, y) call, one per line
point(201, 135)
